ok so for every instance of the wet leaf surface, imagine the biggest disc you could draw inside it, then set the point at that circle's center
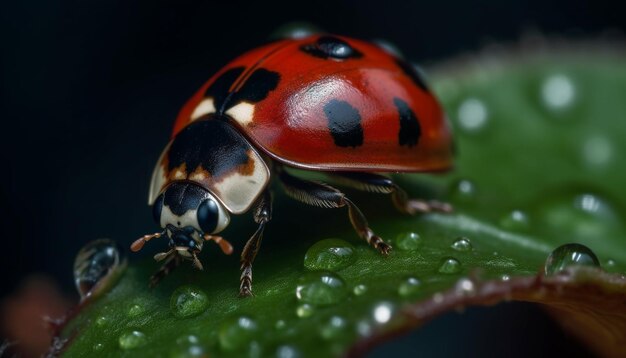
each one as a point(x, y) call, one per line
point(540, 144)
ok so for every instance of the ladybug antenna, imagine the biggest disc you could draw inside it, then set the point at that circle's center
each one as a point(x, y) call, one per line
point(226, 247)
point(138, 244)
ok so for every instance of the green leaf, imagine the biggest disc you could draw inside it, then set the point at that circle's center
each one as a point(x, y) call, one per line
point(539, 166)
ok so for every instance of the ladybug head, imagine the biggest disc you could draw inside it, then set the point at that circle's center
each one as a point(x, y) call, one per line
point(190, 215)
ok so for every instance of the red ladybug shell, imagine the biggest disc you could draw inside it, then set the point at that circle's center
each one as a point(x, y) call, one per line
point(329, 103)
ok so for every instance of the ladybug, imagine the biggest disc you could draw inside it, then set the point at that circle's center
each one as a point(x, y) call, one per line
point(327, 103)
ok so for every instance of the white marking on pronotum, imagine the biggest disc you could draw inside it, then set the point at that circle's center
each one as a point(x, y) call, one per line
point(205, 107)
point(238, 191)
point(243, 113)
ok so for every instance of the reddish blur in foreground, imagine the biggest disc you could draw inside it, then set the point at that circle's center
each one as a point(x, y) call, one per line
point(24, 315)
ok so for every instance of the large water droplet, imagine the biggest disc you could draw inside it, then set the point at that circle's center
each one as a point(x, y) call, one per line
point(462, 244)
point(516, 220)
point(570, 255)
point(95, 264)
point(558, 92)
point(329, 254)
point(236, 334)
point(132, 340)
point(472, 115)
point(321, 288)
point(409, 287)
point(188, 301)
point(450, 265)
point(408, 241)
point(334, 328)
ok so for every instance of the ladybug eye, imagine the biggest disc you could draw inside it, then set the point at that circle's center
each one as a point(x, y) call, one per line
point(157, 207)
point(212, 217)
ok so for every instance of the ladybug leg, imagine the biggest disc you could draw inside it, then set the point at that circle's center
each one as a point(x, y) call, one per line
point(325, 196)
point(262, 214)
point(172, 262)
point(375, 183)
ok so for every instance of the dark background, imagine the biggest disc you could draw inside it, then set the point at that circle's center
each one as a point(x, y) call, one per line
point(90, 90)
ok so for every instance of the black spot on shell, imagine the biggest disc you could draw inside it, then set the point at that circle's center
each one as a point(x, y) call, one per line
point(344, 123)
point(410, 129)
point(331, 47)
point(255, 88)
point(412, 72)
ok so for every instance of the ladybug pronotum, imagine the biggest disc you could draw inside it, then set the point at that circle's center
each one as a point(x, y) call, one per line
point(322, 103)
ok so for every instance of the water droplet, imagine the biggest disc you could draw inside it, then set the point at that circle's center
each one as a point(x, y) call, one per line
point(135, 310)
point(321, 288)
point(610, 263)
point(465, 287)
point(409, 287)
point(463, 190)
point(569, 255)
point(132, 340)
point(408, 241)
point(558, 92)
point(187, 347)
point(383, 312)
point(359, 289)
point(188, 301)
point(94, 265)
point(597, 151)
point(472, 115)
point(98, 347)
point(505, 277)
point(280, 324)
point(335, 327)
point(450, 265)
point(101, 321)
point(329, 254)
point(236, 333)
point(462, 244)
point(578, 217)
point(304, 310)
point(287, 351)
point(516, 220)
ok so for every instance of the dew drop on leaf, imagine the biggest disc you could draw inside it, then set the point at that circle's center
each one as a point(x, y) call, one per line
point(463, 190)
point(505, 277)
point(335, 327)
point(359, 289)
point(465, 287)
point(305, 310)
point(382, 312)
point(462, 244)
point(558, 92)
point(95, 263)
point(187, 347)
point(188, 301)
point(450, 265)
point(516, 220)
point(287, 351)
point(570, 255)
point(101, 321)
point(132, 340)
point(329, 254)
point(236, 334)
point(135, 310)
point(321, 288)
point(98, 347)
point(408, 241)
point(472, 115)
point(409, 287)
